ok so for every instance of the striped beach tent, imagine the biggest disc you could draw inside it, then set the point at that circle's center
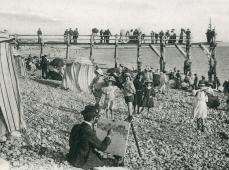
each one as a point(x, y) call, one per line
point(78, 75)
point(10, 102)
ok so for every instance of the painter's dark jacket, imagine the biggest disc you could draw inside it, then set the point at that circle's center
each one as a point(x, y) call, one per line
point(83, 141)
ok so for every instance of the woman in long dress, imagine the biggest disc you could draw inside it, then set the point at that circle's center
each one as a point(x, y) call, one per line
point(148, 94)
point(139, 85)
point(200, 110)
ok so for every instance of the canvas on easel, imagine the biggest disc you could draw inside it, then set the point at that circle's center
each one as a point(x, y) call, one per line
point(119, 137)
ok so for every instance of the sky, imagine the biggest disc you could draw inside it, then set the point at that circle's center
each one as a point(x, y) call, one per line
point(54, 16)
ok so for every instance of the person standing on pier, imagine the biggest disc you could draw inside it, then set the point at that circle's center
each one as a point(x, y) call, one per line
point(101, 36)
point(108, 36)
point(156, 37)
point(152, 37)
point(70, 35)
point(66, 35)
point(208, 35)
point(181, 38)
point(167, 34)
point(39, 35)
point(75, 35)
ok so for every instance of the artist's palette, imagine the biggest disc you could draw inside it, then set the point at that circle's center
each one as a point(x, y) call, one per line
point(119, 137)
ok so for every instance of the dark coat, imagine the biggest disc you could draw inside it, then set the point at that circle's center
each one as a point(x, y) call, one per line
point(83, 141)
point(139, 86)
point(148, 98)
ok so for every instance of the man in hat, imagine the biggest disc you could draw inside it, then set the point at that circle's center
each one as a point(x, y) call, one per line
point(202, 82)
point(44, 66)
point(96, 86)
point(83, 141)
point(39, 35)
point(195, 84)
point(75, 35)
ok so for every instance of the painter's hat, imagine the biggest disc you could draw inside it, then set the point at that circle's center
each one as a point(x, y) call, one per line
point(89, 112)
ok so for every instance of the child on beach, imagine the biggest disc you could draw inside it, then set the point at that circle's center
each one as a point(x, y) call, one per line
point(129, 92)
point(109, 92)
point(200, 109)
point(148, 94)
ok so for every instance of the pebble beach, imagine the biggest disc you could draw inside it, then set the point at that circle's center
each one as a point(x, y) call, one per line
point(167, 137)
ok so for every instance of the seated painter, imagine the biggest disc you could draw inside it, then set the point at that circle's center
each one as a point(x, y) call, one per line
point(83, 142)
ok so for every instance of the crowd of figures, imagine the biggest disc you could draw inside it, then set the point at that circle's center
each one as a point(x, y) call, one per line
point(139, 88)
point(53, 69)
point(71, 36)
point(129, 36)
point(170, 36)
point(210, 34)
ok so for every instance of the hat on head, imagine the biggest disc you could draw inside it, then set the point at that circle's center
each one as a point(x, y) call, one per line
point(89, 112)
point(148, 81)
point(127, 75)
point(99, 71)
point(112, 79)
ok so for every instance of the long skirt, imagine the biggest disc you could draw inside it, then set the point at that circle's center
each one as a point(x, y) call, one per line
point(200, 109)
point(148, 102)
point(138, 97)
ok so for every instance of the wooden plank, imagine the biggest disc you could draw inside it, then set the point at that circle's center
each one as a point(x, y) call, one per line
point(119, 137)
point(205, 50)
point(155, 50)
point(181, 50)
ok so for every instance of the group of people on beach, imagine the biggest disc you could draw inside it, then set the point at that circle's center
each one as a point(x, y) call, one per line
point(139, 90)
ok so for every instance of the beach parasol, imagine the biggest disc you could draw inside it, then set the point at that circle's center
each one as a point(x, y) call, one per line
point(57, 62)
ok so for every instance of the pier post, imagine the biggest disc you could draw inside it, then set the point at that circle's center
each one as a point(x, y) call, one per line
point(41, 47)
point(139, 57)
point(91, 46)
point(115, 53)
point(68, 44)
point(212, 60)
point(188, 62)
point(16, 42)
point(162, 54)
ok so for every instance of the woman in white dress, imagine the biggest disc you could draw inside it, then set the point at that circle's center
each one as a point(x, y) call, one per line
point(200, 110)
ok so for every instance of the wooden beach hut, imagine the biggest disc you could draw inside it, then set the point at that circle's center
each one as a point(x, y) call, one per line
point(10, 101)
point(19, 62)
point(78, 75)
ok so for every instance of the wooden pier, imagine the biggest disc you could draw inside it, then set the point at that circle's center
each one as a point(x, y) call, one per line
point(94, 41)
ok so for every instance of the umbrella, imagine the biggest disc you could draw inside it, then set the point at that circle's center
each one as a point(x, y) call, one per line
point(57, 62)
point(95, 30)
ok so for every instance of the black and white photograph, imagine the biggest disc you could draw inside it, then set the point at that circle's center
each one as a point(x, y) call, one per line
point(114, 84)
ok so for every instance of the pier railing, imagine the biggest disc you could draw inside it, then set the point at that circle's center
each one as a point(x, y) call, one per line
point(31, 39)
